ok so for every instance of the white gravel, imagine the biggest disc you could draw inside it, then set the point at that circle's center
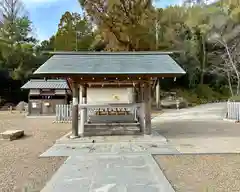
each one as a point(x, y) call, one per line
point(20, 165)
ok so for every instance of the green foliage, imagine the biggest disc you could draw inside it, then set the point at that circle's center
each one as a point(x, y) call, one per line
point(189, 95)
point(16, 47)
point(203, 94)
point(125, 24)
point(74, 33)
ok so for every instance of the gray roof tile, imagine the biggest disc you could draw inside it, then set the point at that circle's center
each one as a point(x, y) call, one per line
point(46, 84)
point(110, 63)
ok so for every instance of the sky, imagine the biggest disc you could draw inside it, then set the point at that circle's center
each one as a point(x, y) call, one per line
point(46, 14)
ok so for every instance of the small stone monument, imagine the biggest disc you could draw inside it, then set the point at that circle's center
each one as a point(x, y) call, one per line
point(12, 134)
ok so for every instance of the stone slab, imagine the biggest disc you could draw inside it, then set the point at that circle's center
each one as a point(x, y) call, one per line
point(109, 173)
point(154, 138)
point(76, 149)
point(12, 134)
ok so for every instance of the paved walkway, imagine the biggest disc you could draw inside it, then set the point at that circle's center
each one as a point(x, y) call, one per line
point(109, 173)
point(110, 164)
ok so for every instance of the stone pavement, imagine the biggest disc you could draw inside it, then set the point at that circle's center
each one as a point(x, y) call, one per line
point(75, 149)
point(154, 144)
point(110, 164)
point(109, 173)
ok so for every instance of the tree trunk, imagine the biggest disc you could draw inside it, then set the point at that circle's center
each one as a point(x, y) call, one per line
point(203, 59)
point(234, 67)
point(229, 83)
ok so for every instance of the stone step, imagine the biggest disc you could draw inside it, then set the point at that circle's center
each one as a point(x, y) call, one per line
point(98, 129)
point(112, 124)
point(111, 132)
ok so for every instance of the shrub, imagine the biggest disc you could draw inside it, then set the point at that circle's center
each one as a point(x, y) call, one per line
point(204, 92)
point(189, 95)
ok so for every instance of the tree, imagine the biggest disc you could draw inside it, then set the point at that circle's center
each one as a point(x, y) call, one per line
point(225, 33)
point(46, 45)
point(171, 30)
point(230, 65)
point(125, 24)
point(16, 34)
point(74, 33)
point(16, 26)
point(197, 21)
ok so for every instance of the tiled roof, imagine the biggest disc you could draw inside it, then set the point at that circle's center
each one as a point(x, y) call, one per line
point(46, 84)
point(110, 63)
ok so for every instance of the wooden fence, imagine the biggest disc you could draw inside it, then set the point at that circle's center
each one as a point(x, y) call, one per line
point(63, 113)
point(233, 110)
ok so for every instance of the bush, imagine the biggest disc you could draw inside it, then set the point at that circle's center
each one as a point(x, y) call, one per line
point(189, 95)
point(202, 94)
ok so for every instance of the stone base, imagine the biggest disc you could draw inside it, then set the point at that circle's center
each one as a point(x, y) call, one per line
point(73, 137)
point(12, 134)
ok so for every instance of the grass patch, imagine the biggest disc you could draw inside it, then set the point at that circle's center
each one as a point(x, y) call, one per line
point(235, 98)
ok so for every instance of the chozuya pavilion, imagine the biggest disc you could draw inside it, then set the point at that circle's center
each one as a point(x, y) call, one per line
point(85, 70)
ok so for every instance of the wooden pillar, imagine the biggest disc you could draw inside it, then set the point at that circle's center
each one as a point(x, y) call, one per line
point(141, 93)
point(83, 112)
point(75, 109)
point(138, 91)
point(29, 105)
point(158, 103)
point(141, 111)
point(147, 108)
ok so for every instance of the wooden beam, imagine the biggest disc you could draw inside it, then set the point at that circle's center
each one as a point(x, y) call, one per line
point(109, 85)
point(147, 108)
point(75, 109)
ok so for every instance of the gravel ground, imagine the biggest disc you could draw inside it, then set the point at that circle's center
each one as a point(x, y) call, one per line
point(20, 165)
point(202, 173)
